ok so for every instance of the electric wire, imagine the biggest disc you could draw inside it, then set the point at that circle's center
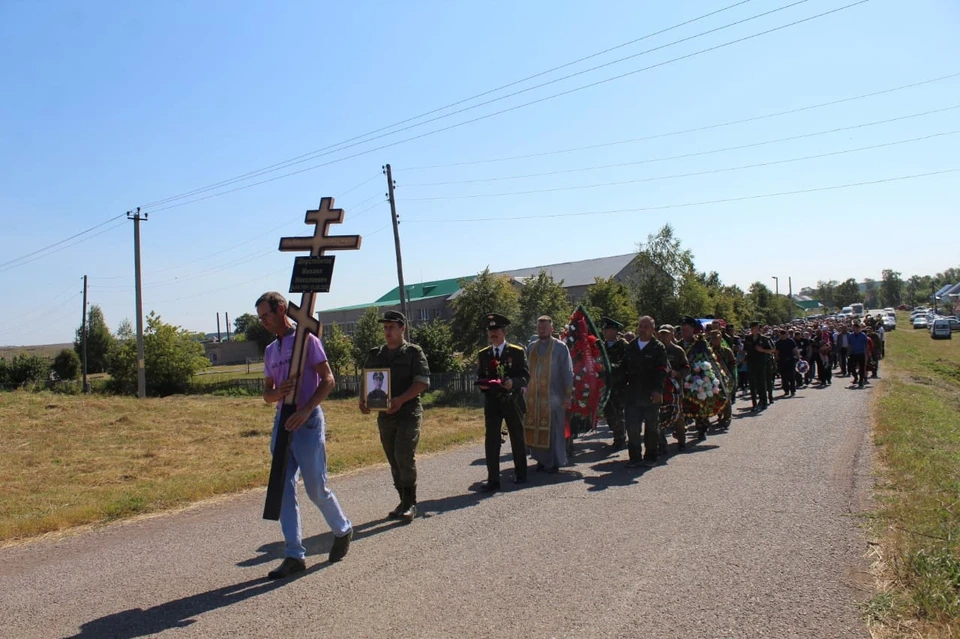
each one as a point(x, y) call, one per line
point(333, 147)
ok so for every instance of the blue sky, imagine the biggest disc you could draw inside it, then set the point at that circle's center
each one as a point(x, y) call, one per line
point(112, 105)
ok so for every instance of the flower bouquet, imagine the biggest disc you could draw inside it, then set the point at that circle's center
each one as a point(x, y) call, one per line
point(496, 372)
point(591, 369)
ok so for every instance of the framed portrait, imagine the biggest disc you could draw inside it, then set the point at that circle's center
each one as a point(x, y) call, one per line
point(376, 388)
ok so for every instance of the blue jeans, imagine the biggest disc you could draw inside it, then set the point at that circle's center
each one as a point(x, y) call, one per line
point(307, 458)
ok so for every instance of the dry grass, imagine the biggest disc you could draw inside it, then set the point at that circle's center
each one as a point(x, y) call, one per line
point(72, 460)
point(918, 431)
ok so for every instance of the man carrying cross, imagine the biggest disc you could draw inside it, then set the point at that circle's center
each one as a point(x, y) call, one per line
point(307, 455)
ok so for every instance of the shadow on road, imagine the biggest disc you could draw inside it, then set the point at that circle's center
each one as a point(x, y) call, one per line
point(180, 613)
point(318, 544)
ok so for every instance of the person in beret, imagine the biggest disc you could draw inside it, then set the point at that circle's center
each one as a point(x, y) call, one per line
point(613, 410)
point(503, 401)
point(400, 424)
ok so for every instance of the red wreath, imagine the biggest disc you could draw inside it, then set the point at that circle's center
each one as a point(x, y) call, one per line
point(587, 366)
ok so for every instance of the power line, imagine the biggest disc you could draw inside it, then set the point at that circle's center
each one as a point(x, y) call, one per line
point(333, 147)
point(681, 156)
point(673, 133)
point(688, 204)
point(61, 247)
point(5, 266)
point(514, 108)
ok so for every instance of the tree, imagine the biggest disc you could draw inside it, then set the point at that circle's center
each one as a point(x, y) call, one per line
point(368, 336)
point(891, 288)
point(913, 289)
point(338, 347)
point(242, 323)
point(693, 298)
point(28, 369)
point(662, 264)
point(871, 298)
point(540, 295)
point(770, 308)
point(847, 293)
point(171, 358)
point(125, 331)
point(257, 333)
point(487, 293)
point(607, 297)
point(436, 340)
point(4, 373)
point(66, 365)
point(100, 342)
point(825, 293)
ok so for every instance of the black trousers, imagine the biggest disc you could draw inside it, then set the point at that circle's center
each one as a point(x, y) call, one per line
point(858, 367)
point(843, 361)
point(496, 410)
point(788, 375)
point(757, 372)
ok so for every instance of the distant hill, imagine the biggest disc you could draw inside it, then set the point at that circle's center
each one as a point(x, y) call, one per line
point(45, 350)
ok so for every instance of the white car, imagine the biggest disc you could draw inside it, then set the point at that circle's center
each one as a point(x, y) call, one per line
point(920, 322)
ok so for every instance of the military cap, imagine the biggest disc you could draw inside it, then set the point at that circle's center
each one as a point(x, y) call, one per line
point(495, 320)
point(752, 324)
point(378, 375)
point(666, 328)
point(606, 322)
point(689, 321)
point(392, 316)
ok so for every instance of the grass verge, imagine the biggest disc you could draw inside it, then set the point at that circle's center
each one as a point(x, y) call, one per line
point(918, 434)
point(72, 460)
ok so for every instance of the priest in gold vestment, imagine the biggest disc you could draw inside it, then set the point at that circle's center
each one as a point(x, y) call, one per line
point(548, 398)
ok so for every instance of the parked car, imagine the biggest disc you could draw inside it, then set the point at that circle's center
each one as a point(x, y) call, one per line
point(890, 322)
point(954, 323)
point(941, 329)
point(920, 322)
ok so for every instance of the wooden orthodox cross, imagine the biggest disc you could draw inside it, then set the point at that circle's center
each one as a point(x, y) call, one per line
point(311, 275)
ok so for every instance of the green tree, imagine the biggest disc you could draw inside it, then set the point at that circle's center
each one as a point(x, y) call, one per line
point(369, 335)
point(891, 288)
point(125, 331)
point(257, 333)
point(242, 323)
point(846, 293)
point(436, 340)
point(66, 365)
point(4, 373)
point(540, 295)
point(607, 297)
point(171, 358)
point(769, 308)
point(338, 347)
point(28, 369)
point(825, 293)
point(871, 297)
point(662, 263)
point(693, 298)
point(913, 289)
point(100, 342)
point(487, 293)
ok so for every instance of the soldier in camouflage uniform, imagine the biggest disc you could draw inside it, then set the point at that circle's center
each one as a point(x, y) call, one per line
point(725, 356)
point(400, 423)
point(613, 411)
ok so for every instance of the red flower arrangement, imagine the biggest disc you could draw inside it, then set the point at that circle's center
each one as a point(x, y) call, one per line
point(588, 365)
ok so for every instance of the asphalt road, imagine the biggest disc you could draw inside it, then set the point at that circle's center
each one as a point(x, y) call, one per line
point(752, 534)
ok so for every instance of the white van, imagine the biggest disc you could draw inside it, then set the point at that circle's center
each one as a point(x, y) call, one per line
point(940, 329)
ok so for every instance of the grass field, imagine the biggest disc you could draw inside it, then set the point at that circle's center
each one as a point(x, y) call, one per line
point(72, 460)
point(918, 433)
point(48, 351)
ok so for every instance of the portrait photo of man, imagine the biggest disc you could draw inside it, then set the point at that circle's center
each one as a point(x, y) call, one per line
point(377, 397)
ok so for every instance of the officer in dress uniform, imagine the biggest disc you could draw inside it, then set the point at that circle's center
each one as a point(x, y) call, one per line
point(377, 398)
point(613, 411)
point(503, 400)
point(400, 424)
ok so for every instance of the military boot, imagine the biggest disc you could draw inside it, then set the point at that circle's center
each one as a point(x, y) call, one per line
point(395, 513)
point(409, 504)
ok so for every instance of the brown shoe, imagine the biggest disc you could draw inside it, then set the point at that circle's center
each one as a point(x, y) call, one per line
point(340, 547)
point(289, 566)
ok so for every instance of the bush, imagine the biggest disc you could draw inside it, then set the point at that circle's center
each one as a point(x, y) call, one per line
point(27, 370)
point(66, 365)
point(172, 357)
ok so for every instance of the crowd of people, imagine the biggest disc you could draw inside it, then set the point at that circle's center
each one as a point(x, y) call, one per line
point(656, 381)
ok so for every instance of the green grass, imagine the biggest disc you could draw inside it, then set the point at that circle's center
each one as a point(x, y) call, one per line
point(918, 433)
point(71, 460)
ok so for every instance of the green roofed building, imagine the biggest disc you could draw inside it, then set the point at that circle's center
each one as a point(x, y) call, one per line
point(427, 301)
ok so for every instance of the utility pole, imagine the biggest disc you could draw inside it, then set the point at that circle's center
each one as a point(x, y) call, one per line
point(141, 368)
point(83, 336)
point(218, 328)
point(396, 240)
point(777, 283)
point(226, 320)
point(790, 285)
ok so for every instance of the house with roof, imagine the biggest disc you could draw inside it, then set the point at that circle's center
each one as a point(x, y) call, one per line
point(427, 301)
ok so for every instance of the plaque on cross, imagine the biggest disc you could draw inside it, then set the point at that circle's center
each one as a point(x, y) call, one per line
point(307, 322)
